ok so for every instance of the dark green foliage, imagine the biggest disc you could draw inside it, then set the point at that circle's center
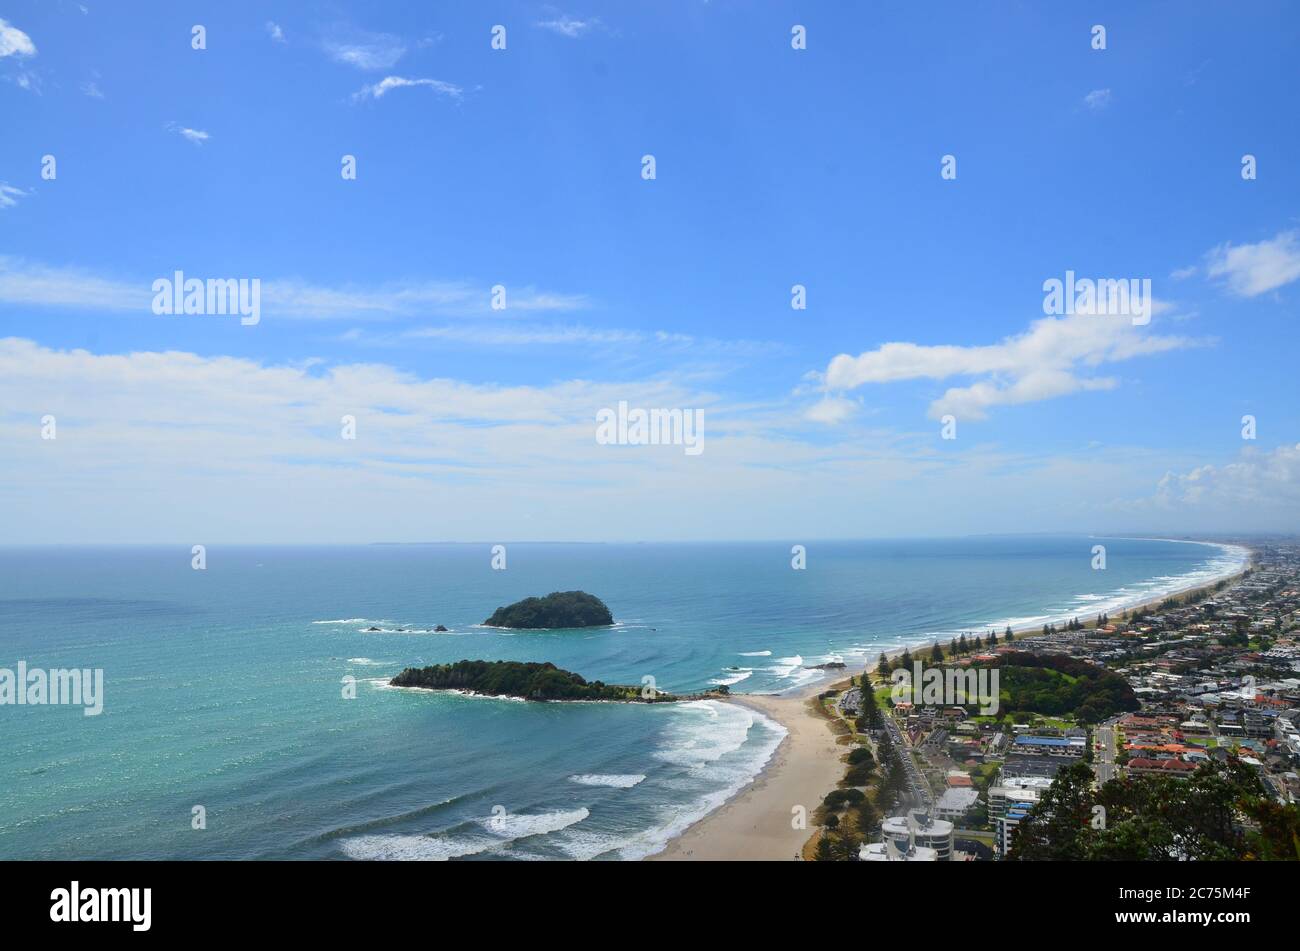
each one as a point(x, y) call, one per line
point(1052, 685)
point(559, 609)
point(839, 798)
point(508, 678)
point(1159, 818)
point(860, 755)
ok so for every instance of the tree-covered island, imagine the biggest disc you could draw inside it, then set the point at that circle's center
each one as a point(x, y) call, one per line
point(559, 609)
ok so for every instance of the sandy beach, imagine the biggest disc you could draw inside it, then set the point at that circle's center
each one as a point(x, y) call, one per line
point(755, 824)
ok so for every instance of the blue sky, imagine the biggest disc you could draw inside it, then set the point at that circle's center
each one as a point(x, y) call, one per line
point(522, 167)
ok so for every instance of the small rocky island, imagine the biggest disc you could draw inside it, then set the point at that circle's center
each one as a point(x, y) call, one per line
point(559, 609)
point(527, 681)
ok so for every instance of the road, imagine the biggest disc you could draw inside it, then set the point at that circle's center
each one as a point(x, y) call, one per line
point(919, 789)
point(1104, 758)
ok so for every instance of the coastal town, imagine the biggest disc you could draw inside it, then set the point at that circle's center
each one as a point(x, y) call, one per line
point(1199, 689)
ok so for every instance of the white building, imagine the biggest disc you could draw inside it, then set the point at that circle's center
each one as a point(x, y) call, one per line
point(888, 851)
point(918, 829)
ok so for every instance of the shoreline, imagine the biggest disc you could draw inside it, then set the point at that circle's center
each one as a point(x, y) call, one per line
point(755, 824)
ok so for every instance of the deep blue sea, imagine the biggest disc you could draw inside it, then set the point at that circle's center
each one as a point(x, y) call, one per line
point(224, 688)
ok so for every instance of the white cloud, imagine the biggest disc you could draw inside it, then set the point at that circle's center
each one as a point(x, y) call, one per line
point(1097, 100)
point(1046, 361)
point(274, 31)
point(1259, 481)
point(197, 136)
point(14, 42)
point(366, 50)
point(179, 447)
point(571, 27)
point(23, 282)
point(9, 195)
point(92, 90)
point(832, 410)
point(527, 336)
point(1253, 269)
point(450, 90)
point(1183, 273)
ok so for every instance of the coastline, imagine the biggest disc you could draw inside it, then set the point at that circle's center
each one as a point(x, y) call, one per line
point(755, 823)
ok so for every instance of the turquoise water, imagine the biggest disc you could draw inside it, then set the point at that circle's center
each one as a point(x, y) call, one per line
point(223, 688)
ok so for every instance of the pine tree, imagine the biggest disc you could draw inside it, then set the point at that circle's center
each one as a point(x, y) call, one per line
point(824, 851)
point(936, 653)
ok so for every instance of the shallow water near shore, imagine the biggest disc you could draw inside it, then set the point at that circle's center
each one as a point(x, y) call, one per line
point(224, 688)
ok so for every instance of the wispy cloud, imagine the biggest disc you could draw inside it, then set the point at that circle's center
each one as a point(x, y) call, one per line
point(197, 136)
point(25, 282)
point(375, 91)
point(1254, 269)
point(1097, 100)
point(1049, 360)
point(569, 26)
point(91, 89)
point(366, 50)
point(9, 195)
point(274, 31)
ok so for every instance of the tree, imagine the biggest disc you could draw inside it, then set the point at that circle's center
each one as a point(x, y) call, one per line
point(846, 847)
point(1053, 830)
point(962, 645)
point(1159, 818)
point(883, 667)
point(993, 638)
point(1009, 636)
point(936, 653)
point(824, 851)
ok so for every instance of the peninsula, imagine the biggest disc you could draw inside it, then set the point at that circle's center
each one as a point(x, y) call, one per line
point(525, 681)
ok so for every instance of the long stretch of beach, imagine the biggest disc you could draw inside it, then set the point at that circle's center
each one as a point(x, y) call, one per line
point(756, 824)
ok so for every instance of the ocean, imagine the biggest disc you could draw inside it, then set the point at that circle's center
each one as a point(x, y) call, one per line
point(225, 689)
